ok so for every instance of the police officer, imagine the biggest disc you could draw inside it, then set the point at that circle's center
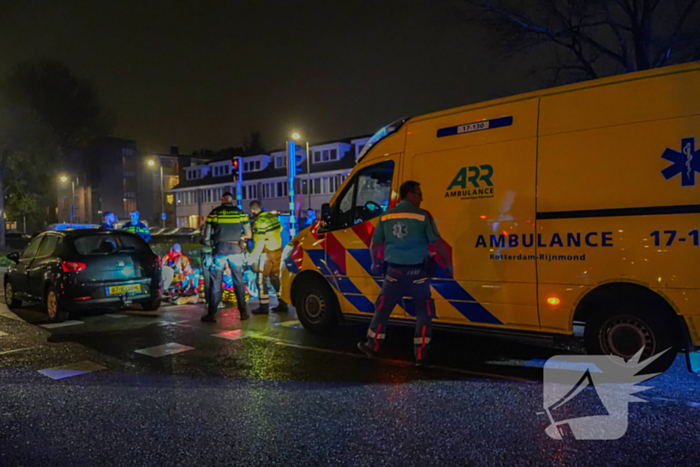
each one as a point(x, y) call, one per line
point(267, 256)
point(405, 231)
point(225, 228)
point(109, 220)
point(137, 227)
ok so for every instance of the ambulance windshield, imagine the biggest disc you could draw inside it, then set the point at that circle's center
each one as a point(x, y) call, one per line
point(380, 135)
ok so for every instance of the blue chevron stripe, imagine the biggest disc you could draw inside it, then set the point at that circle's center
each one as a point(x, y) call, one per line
point(318, 257)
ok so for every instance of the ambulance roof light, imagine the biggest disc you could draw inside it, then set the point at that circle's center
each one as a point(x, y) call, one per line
point(391, 128)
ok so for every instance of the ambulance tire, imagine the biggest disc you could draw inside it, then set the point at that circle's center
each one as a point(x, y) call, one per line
point(317, 306)
point(629, 327)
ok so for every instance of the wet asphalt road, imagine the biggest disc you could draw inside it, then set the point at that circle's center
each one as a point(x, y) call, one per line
point(266, 392)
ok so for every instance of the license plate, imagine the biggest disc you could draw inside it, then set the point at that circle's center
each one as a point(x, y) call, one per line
point(120, 289)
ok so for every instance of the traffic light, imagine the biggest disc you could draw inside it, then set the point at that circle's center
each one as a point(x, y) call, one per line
point(234, 167)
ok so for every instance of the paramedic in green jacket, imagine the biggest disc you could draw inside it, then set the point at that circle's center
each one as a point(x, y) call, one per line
point(406, 232)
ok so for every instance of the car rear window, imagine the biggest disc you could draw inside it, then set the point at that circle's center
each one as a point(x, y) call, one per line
point(101, 244)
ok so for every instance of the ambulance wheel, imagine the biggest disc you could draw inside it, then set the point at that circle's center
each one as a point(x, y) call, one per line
point(631, 326)
point(317, 306)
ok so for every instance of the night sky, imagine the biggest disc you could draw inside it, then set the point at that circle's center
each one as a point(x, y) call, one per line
point(203, 74)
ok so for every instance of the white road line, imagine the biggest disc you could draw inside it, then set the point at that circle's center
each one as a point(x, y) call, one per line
point(170, 348)
point(555, 365)
point(230, 335)
point(173, 323)
point(72, 369)
point(111, 315)
point(19, 350)
point(404, 363)
point(60, 325)
point(258, 335)
point(2, 334)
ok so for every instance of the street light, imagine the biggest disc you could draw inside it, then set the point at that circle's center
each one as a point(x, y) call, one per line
point(152, 163)
point(72, 199)
point(295, 136)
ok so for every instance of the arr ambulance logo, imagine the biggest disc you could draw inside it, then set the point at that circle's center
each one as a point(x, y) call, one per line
point(472, 182)
point(686, 162)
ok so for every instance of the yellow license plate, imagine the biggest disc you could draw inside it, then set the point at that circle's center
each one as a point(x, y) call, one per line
point(119, 289)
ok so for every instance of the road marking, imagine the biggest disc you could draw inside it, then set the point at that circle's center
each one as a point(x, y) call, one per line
point(173, 323)
point(72, 369)
point(8, 314)
point(2, 334)
point(258, 335)
point(60, 325)
point(404, 363)
point(111, 315)
point(289, 324)
point(230, 335)
point(19, 350)
point(170, 348)
point(555, 365)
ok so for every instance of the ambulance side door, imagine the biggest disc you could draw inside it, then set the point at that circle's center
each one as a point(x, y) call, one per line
point(355, 214)
point(477, 170)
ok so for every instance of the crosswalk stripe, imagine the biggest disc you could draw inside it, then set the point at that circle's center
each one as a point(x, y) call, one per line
point(61, 325)
point(72, 369)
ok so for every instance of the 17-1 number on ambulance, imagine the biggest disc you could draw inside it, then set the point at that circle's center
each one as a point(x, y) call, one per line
point(673, 236)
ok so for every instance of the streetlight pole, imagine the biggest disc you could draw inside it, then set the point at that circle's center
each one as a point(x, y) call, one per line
point(162, 198)
point(72, 199)
point(308, 173)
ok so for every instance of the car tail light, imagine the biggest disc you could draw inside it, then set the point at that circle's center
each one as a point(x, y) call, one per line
point(73, 266)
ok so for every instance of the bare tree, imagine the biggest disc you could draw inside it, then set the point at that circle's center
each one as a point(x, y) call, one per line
point(588, 39)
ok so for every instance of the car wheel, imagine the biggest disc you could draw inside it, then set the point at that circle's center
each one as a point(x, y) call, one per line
point(53, 307)
point(151, 306)
point(317, 306)
point(624, 331)
point(10, 299)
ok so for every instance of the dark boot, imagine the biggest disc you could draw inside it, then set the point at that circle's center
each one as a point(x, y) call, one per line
point(263, 309)
point(281, 307)
point(208, 319)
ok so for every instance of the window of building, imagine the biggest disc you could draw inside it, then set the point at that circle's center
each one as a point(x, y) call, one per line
point(216, 171)
point(316, 187)
point(326, 155)
point(253, 191)
point(282, 189)
point(280, 161)
point(257, 165)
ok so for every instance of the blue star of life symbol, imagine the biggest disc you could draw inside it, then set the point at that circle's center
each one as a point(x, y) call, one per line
point(686, 162)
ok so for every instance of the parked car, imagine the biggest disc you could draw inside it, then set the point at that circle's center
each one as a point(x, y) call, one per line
point(157, 231)
point(74, 270)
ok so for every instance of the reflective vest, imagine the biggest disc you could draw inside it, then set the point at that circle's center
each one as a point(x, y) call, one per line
point(227, 222)
point(139, 229)
point(267, 229)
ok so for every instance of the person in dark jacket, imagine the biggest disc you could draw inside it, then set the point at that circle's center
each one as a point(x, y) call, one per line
point(227, 226)
point(109, 220)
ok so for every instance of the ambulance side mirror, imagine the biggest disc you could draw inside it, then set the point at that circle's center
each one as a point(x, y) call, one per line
point(326, 216)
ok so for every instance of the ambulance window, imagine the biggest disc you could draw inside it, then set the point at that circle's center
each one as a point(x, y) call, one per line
point(373, 191)
point(343, 215)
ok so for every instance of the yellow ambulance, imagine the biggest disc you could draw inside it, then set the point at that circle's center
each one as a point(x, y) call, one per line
point(574, 204)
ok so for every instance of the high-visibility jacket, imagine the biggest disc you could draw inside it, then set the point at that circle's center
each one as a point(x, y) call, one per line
point(140, 229)
point(226, 223)
point(268, 230)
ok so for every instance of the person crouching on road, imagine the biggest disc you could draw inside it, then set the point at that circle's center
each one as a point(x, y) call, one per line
point(138, 227)
point(405, 231)
point(226, 227)
point(267, 256)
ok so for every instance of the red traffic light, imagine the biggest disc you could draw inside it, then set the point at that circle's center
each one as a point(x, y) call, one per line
point(234, 163)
